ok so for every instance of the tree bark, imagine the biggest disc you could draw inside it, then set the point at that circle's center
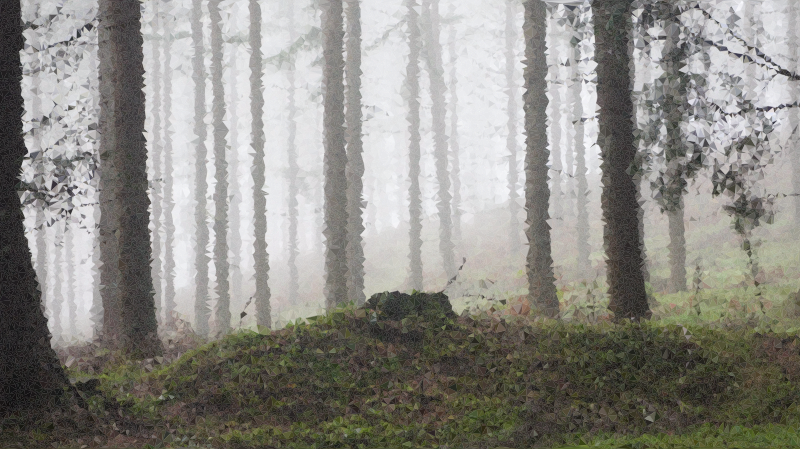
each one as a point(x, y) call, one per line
point(582, 185)
point(96, 309)
point(260, 256)
point(355, 161)
point(138, 317)
point(169, 202)
point(455, 149)
point(433, 57)
point(235, 196)
point(221, 264)
point(413, 118)
point(58, 297)
point(24, 336)
point(511, 139)
point(72, 312)
point(620, 196)
point(539, 262)
point(294, 169)
point(156, 157)
point(335, 159)
point(554, 87)
point(202, 311)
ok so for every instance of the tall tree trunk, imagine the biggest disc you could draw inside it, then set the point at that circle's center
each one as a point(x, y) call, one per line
point(674, 61)
point(620, 196)
point(72, 312)
point(335, 159)
point(454, 142)
point(169, 202)
point(554, 68)
point(58, 296)
point(138, 316)
point(260, 256)
point(413, 118)
point(433, 57)
point(793, 10)
point(539, 263)
point(582, 184)
point(355, 161)
point(202, 311)
point(96, 309)
point(294, 169)
point(511, 138)
point(235, 195)
point(156, 156)
point(221, 263)
point(30, 373)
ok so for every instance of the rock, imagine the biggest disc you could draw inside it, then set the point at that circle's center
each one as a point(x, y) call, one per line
point(385, 312)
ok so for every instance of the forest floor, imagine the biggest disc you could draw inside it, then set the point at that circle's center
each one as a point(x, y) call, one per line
point(724, 375)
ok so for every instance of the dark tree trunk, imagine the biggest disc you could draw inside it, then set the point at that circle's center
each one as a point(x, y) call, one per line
point(511, 138)
point(620, 196)
point(96, 309)
point(413, 118)
point(235, 195)
point(294, 169)
point(260, 256)
point(169, 202)
point(455, 174)
point(677, 250)
point(355, 161)
point(554, 67)
point(539, 263)
point(202, 311)
point(582, 185)
point(156, 157)
point(335, 159)
point(138, 316)
point(30, 373)
point(433, 57)
point(221, 263)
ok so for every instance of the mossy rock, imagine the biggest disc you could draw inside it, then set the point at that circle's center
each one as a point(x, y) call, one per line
point(386, 312)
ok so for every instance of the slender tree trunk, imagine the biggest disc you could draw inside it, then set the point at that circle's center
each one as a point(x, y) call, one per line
point(30, 373)
point(156, 156)
point(511, 138)
point(677, 250)
point(221, 263)
point(169, 202)
point(793, 10)
point(96, 309)
point(539, 263)
point(335, 160)
point(294, 169)
point(355, 161)
point(413, 118)
point(72, 312)
point(260, 256)
point(454, 142)
point(58, 296)
point(620, 196)
point(582, 186)
point(433, 57)
point(136, 284)
point(202, 311)
point(554, 67)
point(235, 195)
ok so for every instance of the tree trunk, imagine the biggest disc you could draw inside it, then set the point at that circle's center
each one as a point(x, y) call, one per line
point(335, 159)
point(169, 202)
point(221, 263)
point(260, 256)
point(156, 157)
point(677, 250)
point(511, 138)
point(202, 311)
point(539, 263)
point(138, 316)
point(355, 161)
point(454, 142)
point(96, 309)
point(41, 226)
point(413, 118)
point(24, 336)
point(58, 297)
point(582, 187)
point(72, 312)
point(620, 196)
point(294, 169)
point(554, 87)
point(433, 57)
point(235, 196)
